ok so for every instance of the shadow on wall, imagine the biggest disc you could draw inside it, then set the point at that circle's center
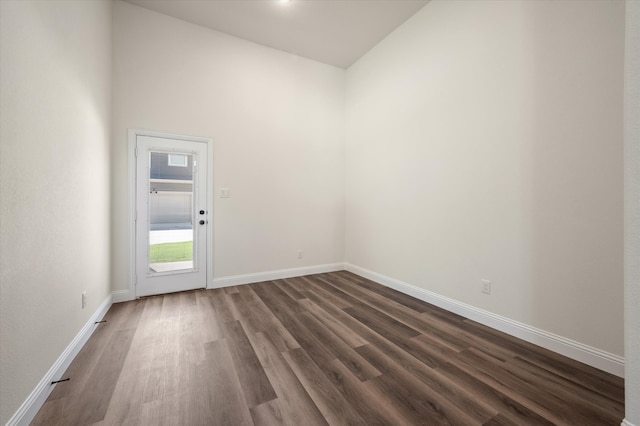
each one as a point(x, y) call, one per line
point(576, 170)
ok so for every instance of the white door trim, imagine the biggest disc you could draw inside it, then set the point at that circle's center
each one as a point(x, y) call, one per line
point(133, 135)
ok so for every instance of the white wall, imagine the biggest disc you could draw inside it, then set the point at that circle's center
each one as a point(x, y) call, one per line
point(632, 212)
point(276, 121)
point(55, 75)
point(484, 140)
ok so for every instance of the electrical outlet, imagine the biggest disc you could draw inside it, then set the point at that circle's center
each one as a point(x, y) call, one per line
point(486, 287)
point(300, 254)
point(84, 299)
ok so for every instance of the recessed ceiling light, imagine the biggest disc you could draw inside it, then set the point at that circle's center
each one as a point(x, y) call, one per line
point(284, 1)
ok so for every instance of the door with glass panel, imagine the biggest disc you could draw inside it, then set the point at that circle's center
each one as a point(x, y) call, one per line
point(171, 215)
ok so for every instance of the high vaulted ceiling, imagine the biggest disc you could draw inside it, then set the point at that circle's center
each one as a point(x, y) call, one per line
point(336, 32)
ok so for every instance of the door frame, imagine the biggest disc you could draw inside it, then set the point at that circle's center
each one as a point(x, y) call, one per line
point(133, 136)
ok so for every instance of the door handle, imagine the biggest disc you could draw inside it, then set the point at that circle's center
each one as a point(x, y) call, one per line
point(202, 222)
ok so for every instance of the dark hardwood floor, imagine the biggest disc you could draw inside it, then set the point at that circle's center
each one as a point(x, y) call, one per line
point(323, 349)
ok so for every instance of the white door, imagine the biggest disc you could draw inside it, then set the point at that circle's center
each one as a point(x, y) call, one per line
point(171, 215)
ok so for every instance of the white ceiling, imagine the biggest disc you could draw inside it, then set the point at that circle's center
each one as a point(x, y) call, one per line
point(336, 32)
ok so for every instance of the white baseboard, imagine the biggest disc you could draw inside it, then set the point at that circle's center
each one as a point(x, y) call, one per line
point(589, 355)
point(125, 295)
point(275, 275)
point(625, 422)
point(121, 296)
point(39, 395)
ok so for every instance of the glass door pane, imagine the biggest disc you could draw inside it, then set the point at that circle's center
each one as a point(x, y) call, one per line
point(171, 198)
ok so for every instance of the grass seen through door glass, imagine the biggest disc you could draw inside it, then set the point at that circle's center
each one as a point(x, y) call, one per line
point(170, 252)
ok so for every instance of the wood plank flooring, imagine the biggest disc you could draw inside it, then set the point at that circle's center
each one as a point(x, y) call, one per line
point(323, 349)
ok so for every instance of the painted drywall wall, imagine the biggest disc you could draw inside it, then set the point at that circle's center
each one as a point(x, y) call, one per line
point(277, 125)
point(484, 141)
point(55, 80)
point(632, 212)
